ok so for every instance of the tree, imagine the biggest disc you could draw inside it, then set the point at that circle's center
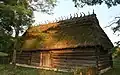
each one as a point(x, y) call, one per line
point(109, 3)
point(16, 15)
point(116, 28)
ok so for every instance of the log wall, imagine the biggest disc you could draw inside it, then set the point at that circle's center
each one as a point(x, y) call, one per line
point(68, 58)
point(30, 58)
point(35, 58)
point(72, 58)
point(24, 58)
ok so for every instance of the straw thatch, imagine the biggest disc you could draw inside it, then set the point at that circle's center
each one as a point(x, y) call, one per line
point(70, 33)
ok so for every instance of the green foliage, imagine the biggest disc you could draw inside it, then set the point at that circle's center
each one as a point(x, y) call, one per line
point(16, 16)
point(13, 19)
point(109, 3)
point(116, 52)
point(85, 71)
point(45, 6)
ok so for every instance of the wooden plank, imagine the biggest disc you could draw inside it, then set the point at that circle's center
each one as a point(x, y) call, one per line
point(25, 61)
point(23, 58)
point(74, 61)
point(26, 53)
point(23, 55)
point(72, 65)
point(35, 57)
point(103, 66)
point(103, 61)
point(35, 63)
point(74, 57)
point(75, 54)
point(72, 51)
point(36, 60)
point(102, 56)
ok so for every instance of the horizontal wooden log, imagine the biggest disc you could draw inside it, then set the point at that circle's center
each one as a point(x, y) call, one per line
point(104, 66)
point(102, 56)
point(103, 61)
point(75, 57)
point(35, 56)
point(23, 58)
point(24, 55)
point(35, 60)
point(73, 61)
point(23, 62)
point(72, 51)
point(72, 65)
point(35, 63)
point(75, 54)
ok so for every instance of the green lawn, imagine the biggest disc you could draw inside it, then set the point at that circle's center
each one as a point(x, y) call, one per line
point(9, 70)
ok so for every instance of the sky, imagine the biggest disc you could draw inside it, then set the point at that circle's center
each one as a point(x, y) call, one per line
point(66, 7)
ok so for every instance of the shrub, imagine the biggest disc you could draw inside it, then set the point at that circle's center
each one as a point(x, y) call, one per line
point(85, 71)
point(115, 52)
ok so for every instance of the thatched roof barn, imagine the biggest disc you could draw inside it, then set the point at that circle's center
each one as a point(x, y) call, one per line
point(78, 41)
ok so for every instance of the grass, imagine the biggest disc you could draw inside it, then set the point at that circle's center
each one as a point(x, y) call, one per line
point(9, 70)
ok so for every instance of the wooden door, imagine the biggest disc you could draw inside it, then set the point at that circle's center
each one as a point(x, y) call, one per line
point(45, 59)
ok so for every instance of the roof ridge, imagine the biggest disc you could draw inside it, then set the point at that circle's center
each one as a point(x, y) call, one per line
point(70, 17)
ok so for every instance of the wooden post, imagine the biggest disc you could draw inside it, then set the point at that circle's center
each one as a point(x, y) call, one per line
point(41, 62)
point(51, 59)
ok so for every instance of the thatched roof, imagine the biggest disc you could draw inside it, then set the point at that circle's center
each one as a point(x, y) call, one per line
point(74, 32)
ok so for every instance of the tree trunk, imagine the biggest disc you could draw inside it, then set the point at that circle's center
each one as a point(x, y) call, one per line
point(14, 58)
point(14, 53)
point(15, 47)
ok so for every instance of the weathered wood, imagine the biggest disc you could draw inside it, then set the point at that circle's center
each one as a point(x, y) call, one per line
point(75, 54)
point(35, 63)
point(104, 66)
point(74, 61)
point(69, 58)
point(75, 57)
point(23, 58)
point(102, 56)
point(68, 65)
point(72, 51)
point(99, 61)
point(35, 58)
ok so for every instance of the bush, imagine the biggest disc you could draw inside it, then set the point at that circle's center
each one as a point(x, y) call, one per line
point(4, 59)
point(85, 71)
point(115, 52)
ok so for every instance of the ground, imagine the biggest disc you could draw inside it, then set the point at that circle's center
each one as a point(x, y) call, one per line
point(8, 70)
